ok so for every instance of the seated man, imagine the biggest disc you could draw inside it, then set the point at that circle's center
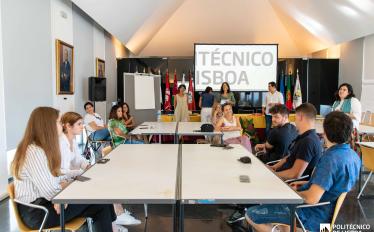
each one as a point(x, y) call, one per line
point(95, 126)
point(279, 137)
point(335, 173)
point(305, 150)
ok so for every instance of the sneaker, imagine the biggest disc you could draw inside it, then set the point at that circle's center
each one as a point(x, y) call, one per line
point(236, 217)
point(126, 219)
point(121, 229)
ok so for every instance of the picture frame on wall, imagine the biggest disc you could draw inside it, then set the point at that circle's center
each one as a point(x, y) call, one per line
point(100, 67)
point(64, 68)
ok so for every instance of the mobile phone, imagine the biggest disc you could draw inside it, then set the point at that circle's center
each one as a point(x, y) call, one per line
point(82, 178)
point(103, 161)
point(228, 147)
point(244, 178)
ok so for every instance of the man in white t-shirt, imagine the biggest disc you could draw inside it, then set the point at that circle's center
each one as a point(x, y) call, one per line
point(273, 97)
point(95, 126)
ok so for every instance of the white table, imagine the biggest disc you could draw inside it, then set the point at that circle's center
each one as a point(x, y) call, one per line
point(156, 128)
point(135, 174)
point(193, 129)
point(367, 144)
point(210, 175)
point(365, 129)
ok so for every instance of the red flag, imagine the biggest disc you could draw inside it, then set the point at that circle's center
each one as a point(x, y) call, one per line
point(288, 93)
point(191, 93)
point(167, 105)
point(175, 86)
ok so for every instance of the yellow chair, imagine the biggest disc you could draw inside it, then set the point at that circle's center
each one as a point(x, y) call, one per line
point(106, 151)
point(368, 162)
point(338, 206)
point(73, 225)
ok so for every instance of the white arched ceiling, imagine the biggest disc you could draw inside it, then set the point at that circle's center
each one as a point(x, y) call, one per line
point(133, 22)
point(171, 27)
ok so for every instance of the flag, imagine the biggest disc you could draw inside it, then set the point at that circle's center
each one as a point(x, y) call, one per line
point(297, 99)
point(288, 94)
point(175, 87)
point(191, 93)
point(167, 105)
point(183, 79)
point(281, 86)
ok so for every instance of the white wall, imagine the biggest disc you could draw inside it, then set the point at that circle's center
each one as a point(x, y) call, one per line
point(3, 157)
point(62, 29)
point(367, 96)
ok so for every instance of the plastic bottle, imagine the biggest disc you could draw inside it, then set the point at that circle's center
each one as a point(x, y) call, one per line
point(158, 115)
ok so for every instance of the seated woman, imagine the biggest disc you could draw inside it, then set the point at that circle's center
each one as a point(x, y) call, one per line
point(37, 176)
point(231, 128)
point(118, 129)
point(73, 163)
point(95, 126)
point(128, 120)
point(217, 113)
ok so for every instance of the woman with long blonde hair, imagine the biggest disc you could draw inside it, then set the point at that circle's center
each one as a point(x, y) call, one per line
point(37, 176)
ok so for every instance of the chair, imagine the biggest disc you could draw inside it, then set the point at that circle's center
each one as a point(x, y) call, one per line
point(366, 118)
point(106, 150)
point(338, 205)
point(94, 145)
point(368, 162)
point(73, 225)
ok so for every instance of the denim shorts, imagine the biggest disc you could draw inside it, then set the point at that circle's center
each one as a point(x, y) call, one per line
point(264, 214)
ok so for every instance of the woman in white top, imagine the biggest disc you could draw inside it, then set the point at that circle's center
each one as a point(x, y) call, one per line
point(95, 125)
point(346, 102)
point(231, 128)
point(73, 163)
point(37, 177)
point(180, 105)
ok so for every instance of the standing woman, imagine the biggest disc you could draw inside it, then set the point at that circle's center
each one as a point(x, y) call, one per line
point(37, 177)
point(231, 128)
point(180, 105)
point(205, 103)
point(346, 102)
point(226, 96)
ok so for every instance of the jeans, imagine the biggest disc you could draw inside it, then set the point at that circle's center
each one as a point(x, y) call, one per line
point(264, 214)
point(268, 123)
point(101, 135)
point(128, 141)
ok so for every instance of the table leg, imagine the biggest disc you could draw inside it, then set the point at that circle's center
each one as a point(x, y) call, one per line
point(62, 217)
point(175, 217)
point(292, 218)
point(159, 139)
point(181, 217)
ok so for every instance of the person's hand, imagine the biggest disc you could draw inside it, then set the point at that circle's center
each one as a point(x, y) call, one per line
point(274, 168)
point(259, 147)
point(296, 184)
point(74, 173)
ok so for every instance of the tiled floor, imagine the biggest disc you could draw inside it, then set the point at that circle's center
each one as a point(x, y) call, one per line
point(210, 217)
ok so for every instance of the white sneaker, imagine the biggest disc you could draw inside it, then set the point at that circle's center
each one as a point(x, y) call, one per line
point(122, 229)
point(127, 219)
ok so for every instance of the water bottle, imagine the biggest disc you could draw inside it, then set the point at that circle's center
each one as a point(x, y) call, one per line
point(158, 115)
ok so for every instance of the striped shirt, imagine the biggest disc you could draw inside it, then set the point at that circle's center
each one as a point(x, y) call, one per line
point(36, 180)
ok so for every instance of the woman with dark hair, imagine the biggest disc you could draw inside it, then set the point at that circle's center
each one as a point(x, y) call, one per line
point(128, 120)
point(118, 129)
point(95, 125)
point(226, 96)
point(205, 103)
point(36, 169)
point(346, 102)
point(180, 105)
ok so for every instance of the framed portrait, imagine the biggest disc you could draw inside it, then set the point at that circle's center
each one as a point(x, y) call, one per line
point(64, 68)
point(100, 67)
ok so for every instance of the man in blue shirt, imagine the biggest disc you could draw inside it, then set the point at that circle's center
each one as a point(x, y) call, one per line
point(305, 150)
point(335, 173)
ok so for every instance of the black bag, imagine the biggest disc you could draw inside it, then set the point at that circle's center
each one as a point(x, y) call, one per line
point(207, 128)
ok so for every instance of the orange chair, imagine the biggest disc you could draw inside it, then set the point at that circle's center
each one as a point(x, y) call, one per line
point(73, 225)
point(368, 162)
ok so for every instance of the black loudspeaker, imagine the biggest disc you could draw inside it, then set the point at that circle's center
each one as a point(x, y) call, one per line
point(97, 89)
